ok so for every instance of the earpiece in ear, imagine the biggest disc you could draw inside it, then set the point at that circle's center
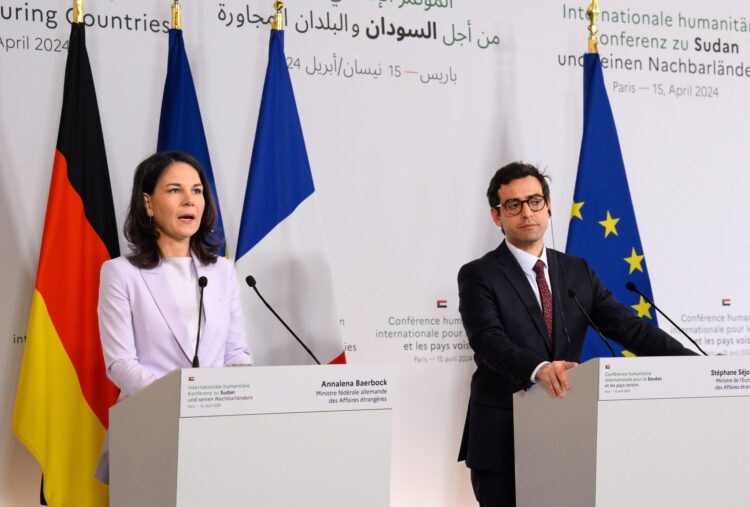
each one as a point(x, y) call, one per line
point(550, 212)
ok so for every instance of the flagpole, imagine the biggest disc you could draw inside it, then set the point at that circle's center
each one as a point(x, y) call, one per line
point(278, 19)
point(592, 13)
point(176, 15)
point(77, 11)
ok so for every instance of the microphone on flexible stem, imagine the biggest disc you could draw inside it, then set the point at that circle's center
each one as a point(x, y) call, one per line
point(574, 297)
point(202, 282)
point(632, 288)
point(555, 284)
point(250, 279)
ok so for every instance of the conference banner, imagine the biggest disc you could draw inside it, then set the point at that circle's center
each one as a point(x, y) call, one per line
point(407, 107)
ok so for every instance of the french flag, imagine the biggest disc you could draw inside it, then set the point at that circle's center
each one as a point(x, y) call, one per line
point(281, 239)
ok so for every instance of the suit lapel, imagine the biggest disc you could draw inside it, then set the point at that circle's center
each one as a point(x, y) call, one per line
point(558, 299)
point(161, 291)
point(520, 283)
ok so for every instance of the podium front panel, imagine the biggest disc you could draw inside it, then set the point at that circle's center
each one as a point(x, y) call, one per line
point(312, 459)
point(645, 431)
point(270, 436)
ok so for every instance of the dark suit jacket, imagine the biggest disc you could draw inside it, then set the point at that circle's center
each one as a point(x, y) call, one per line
point(506, 330)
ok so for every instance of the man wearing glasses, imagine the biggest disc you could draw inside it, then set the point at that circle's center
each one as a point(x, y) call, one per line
point(524, 328)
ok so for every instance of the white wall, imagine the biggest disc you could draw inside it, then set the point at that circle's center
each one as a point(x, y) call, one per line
point(400, 166)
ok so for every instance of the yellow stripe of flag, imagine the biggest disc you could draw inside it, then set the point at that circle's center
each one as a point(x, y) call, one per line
point(47, 427)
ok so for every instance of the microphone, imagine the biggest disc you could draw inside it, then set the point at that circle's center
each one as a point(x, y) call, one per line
point(632, 288)
point(250, 280)
point(574, 297)
point(202, 282)
point(555, 285)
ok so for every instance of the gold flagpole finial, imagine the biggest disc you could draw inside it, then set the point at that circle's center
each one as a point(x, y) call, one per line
point(278, 19)
point(176, 15)
point(77, 11)
point(592, 13)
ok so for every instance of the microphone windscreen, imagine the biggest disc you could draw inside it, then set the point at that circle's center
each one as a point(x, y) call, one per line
point(630, 286)
point(571, 293)
point(202, 281)
point(250, 279)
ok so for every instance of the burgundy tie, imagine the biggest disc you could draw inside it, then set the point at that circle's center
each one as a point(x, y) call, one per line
point(546, 296)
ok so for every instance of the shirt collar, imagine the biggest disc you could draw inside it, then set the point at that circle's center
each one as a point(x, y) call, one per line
point(525, 259)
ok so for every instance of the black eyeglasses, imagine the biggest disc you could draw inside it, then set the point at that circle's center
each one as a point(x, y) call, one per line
point(513, 207)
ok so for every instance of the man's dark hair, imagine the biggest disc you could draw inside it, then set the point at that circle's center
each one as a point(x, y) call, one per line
point(515, 171)
point(140, 229)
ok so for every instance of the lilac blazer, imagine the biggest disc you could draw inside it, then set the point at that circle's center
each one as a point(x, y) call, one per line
point(142, 331)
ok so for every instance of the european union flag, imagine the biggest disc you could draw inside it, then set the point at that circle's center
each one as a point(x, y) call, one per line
point(181, 126)
point(603, 229)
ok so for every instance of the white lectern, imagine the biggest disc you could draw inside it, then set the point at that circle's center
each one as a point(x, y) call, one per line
point(265, 436)
point(646, 431)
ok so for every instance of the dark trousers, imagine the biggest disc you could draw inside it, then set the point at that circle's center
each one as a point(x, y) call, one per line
point(494, 489)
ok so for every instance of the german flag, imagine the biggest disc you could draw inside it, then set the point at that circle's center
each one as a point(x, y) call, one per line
point(63, 397)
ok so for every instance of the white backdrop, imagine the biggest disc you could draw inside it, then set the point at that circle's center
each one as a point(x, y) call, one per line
point(403, 136)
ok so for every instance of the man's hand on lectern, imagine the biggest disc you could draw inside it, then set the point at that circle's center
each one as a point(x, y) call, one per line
point(555, 377)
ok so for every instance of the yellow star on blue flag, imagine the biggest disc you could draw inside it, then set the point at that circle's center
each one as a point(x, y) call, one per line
point(643, 308)
point(610, 225)
point(634, 261)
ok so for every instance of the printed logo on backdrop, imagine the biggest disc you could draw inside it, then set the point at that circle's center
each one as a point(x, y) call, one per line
point(663, 52)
